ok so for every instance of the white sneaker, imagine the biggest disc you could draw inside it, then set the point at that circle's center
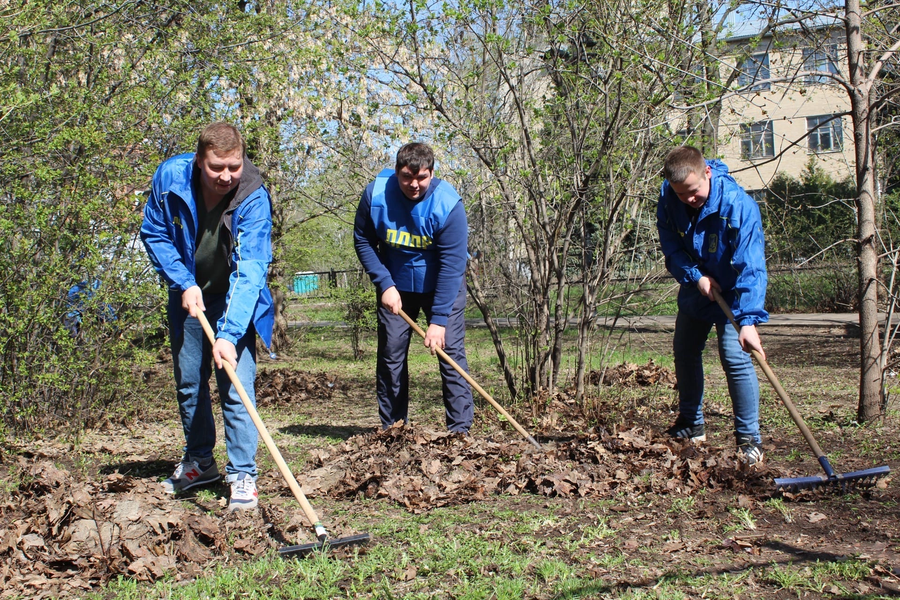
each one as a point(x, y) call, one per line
point(748, 450)
point(243, 493)
point(189, 474)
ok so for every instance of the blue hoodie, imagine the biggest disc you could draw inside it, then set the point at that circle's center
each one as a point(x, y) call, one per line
point(169, 232)
point(725, 242)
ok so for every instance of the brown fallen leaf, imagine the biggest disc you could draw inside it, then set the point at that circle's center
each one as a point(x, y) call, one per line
point(673, 546)
point(815, 517)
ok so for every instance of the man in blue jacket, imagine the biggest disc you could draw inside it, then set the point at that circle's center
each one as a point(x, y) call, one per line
point(411, 235)
point(712, 238)
point(207, 228)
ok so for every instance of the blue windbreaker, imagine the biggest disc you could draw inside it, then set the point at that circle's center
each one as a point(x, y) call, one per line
point(169, 232)
point(726, 243)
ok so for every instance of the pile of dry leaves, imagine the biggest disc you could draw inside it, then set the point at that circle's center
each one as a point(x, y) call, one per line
point(62, 531)
point(60, 535)
point(282, 387)
point(630, 375)
point(422, 469)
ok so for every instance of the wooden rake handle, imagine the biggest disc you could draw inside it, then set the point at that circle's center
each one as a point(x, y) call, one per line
point(770, 374)
point(264, 434)
point(473, 383)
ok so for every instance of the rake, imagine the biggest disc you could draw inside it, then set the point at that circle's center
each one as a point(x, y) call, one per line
point(842, 481)
point(473, 383)
point(323, 542)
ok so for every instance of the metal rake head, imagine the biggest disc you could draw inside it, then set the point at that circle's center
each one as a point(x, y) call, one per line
point(843, 483)
point(323, 546)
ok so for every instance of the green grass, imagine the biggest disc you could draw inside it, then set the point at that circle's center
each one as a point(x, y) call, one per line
point(440, 554)
point(818, 576)
point(512, 550)
point(743, 519)
point(786, 512)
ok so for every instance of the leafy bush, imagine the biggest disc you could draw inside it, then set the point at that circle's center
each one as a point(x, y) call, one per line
point(360, 310)
point(826, 289)
point(80, 136)
point(810, 217)
point(77, 301)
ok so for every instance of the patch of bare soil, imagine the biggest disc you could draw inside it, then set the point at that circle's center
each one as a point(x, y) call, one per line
point(65, 529)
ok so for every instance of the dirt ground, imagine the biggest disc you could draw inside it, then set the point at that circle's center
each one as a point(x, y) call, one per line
point(74, 514)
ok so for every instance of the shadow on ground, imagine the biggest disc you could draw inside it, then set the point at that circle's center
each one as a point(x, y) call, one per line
point(341, 432)
point(140, 468)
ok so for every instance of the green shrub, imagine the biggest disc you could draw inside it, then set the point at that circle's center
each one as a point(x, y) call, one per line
point(826, 289)
point(360, 305)
point(69, 360)
point(809, 217)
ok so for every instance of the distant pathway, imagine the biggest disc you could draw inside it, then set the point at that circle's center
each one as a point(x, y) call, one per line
point(666, 321)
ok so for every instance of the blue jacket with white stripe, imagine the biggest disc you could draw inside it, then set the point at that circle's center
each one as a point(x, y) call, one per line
point(169, 232)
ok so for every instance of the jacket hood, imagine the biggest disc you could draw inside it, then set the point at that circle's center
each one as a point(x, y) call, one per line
point(718, 167)
point(717, 181)
point(251, 180)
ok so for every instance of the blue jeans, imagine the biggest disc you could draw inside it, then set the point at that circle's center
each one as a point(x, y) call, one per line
point(192, 357)
point(392, 371)
point(743, 385)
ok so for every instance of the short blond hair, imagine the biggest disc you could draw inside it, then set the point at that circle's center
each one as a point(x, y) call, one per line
point(683, 161)
point(221, 138)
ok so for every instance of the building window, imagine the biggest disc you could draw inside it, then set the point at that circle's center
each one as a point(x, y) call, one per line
point(759, 196)
point(752, 69)
point(826, 133)
point(757, 140)
point(819, 60)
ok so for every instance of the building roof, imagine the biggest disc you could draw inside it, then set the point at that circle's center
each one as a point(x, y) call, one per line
point(738, 29)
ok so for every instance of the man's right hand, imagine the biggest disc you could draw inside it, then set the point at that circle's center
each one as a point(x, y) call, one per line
point(192, 300)
point(706, 285)
point(390, 299)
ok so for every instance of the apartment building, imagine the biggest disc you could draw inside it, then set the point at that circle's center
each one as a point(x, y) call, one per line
point(787, 108)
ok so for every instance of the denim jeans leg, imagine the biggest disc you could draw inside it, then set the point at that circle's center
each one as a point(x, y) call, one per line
point(191, 359)
point(743, 385)
point(688, 345)
point(459, 408)
point(241, 437)
point(392, 368)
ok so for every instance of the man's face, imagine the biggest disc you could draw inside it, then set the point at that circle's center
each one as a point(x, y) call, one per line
point(220, 173)
point(694, 190)
point(414, 185)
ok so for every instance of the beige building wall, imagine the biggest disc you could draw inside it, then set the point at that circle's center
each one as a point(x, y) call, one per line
point(794, 100)
point(787, 105)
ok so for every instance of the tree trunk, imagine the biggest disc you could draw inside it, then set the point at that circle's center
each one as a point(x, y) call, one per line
point(870, 376)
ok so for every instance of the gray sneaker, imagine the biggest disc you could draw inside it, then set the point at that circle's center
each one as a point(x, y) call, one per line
point(749, 451)
point(190, 474)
